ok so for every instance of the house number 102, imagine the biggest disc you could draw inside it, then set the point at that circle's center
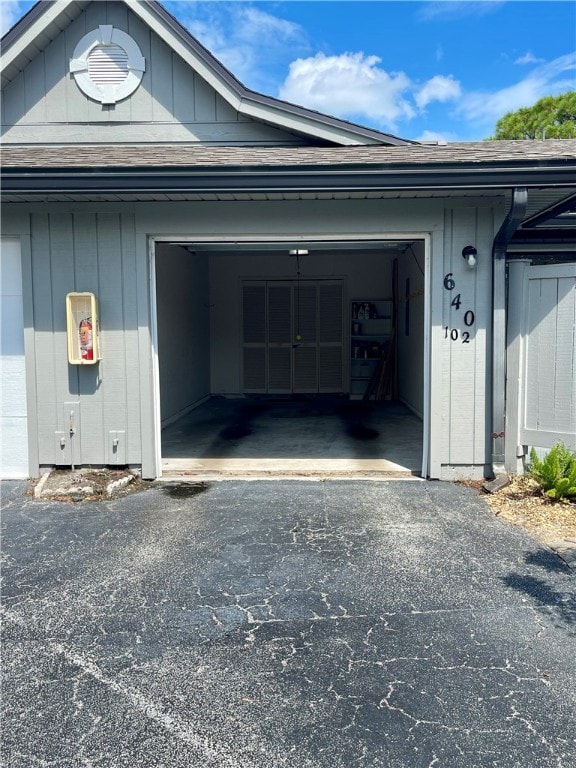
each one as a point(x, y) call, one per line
point(454, 333)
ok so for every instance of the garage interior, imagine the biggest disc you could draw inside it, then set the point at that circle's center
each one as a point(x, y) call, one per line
point(287, 359)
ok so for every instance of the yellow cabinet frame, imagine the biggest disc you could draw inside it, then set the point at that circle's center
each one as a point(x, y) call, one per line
point(82, 329)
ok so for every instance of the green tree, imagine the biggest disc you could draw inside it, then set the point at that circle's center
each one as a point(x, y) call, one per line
point(553, 117)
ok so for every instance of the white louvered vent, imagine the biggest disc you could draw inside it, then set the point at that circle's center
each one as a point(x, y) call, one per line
point(305, 369)
point(279, 369)
point(108, 65)
point(330, 369)
point(279, 314)
point(305, 312)
point(254, 366)
point(254, 314)
point(292, 336)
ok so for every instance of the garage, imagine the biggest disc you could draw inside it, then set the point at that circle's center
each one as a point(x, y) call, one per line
point(295, 358)
point(276, 290)
point(13, 415)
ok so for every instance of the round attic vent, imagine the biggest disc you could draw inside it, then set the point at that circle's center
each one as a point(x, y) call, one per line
point(107, 65)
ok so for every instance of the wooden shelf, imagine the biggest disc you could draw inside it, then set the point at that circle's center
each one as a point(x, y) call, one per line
point(370, 331)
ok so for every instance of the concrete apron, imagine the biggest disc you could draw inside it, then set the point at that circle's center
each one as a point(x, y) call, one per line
point(192, 470)
point(312, 438)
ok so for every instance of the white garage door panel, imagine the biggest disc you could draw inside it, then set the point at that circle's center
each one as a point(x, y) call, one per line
point(11, 325)
point(13, 415)
point(13, 400)
point(14, 449)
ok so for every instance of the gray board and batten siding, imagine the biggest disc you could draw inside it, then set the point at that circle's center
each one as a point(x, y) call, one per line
point(75, 247)
point(44, 105)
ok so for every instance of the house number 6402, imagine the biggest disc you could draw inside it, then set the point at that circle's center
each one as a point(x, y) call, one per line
point(469, 318)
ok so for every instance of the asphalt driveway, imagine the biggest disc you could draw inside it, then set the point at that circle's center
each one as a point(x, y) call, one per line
point(302, 624)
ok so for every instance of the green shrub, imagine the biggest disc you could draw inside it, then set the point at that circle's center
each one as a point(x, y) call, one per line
point(556, 472)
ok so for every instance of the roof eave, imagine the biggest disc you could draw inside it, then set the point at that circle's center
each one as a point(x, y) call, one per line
point(288, 179)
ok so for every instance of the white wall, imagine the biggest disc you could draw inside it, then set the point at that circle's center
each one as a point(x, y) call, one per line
point(13, 410)
point(411, 344)
point(183, 328)
point(365, 274)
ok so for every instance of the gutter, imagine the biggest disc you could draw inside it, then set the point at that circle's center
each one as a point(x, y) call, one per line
point(280, 179)
point(509, 226)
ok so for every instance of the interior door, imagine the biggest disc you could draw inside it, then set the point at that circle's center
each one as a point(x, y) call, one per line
point(292, 336)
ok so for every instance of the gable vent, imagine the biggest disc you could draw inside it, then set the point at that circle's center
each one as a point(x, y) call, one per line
point(108, 65)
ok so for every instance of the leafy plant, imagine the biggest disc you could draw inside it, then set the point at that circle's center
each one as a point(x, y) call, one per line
point(556, 472)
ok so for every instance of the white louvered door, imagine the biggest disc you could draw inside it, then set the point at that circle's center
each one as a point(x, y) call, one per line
point(292, 337)
point(330, 337)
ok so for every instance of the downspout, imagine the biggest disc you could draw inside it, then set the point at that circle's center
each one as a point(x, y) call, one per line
point(509, 226)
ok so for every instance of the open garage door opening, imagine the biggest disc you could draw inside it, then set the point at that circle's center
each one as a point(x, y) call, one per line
point(278, 360)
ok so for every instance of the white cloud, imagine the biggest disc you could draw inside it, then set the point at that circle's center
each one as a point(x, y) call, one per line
point(546, 80)
point(438, 88)
point(10, 12)
point(441, 137)
point(256, 26)
point(528, 58)
point(248, 41)
point(350, 85)
point(456, 9)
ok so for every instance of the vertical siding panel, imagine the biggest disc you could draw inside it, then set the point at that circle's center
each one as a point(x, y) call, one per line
point(14, 108)
point(113, 365)
point(141, 100)
point(132, 360)
point(463, 412)
point(205, 101)
point(76, 103)
point(224, 111)
point(446, 388)
point(94, 16)
point(183, 91)
point(531, 365)
point(565, 394)
point(482, 308)
point(117, 16)
point(62, 259)
point(34, 90)
point(89, 384)
point(58, 108)
point(161, 75)
point(42, 303)
point(547, 353)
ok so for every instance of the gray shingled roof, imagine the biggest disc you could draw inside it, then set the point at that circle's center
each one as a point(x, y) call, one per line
point(195, 155)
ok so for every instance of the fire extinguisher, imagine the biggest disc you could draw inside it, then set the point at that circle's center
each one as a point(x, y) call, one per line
point(86, 340)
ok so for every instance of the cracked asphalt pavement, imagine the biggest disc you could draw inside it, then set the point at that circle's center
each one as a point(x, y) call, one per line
point(301, 624)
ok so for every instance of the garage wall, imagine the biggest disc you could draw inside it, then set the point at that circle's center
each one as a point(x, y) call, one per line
point(104, 248)
point(370, 278)
point(86, 250)
point(13, 407)
point(182, 307)
point(411, 328)
point(465, 394)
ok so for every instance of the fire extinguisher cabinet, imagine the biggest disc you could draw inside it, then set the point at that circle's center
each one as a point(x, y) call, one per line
point(82, 328)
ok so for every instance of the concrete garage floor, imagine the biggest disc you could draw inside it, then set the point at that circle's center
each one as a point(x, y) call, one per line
point(312, 436)
point(283, 625)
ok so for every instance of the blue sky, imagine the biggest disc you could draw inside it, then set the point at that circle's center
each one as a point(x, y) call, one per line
point(421, 70)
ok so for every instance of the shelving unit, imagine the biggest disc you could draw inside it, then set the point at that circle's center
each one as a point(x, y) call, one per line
point(370, 334)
